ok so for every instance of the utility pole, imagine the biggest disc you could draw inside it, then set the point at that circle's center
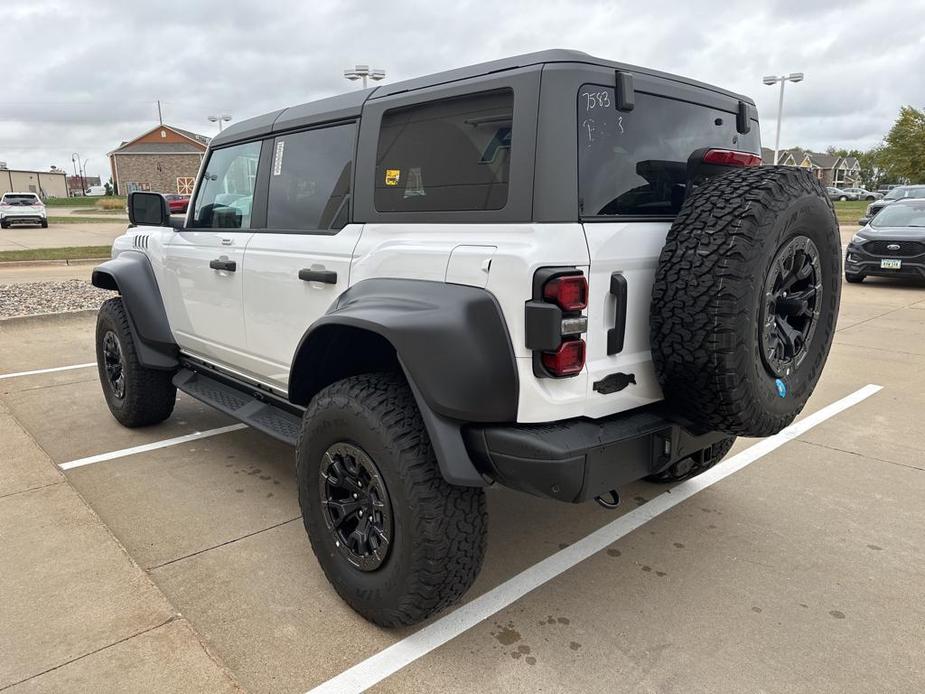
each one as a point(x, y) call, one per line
point(774, 79)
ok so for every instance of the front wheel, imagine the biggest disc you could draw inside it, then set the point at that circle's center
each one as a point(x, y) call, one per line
point(44, 223)
point(397, 542)
point(853, 278)
point(137, 396)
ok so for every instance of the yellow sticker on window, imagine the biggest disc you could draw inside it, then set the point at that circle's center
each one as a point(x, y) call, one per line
point(392, 176)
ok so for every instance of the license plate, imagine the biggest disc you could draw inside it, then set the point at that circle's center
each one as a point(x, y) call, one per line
point(890, 264)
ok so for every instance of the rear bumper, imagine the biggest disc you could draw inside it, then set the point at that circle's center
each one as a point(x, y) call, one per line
point(579, 459)
point(27, 218)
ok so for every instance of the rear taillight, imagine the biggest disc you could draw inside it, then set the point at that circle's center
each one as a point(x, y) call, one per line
point(568, 360)
point(569, 292)
point(554, 322)
point(729, 157)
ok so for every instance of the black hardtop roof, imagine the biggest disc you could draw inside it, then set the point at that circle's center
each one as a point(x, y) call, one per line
point(350, 104)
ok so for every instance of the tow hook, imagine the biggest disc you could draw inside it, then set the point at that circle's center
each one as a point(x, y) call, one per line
point(612, 502)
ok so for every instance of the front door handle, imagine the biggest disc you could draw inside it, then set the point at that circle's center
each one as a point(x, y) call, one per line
point(220, 264)
point(326, 276)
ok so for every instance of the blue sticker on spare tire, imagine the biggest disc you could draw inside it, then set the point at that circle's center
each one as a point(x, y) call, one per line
point(781, 388)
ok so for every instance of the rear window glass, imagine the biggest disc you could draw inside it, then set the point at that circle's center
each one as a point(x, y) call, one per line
point(310, 179)
point(634, 163)
point(446, 155)
point(20, 199)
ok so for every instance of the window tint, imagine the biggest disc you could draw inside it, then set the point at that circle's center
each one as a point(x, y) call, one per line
point(226, 193)
point(635, 162)
point(310, 179)
point(445, 155)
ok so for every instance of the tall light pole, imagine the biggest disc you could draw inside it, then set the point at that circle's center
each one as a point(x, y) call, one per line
point(783, 79)
point(75, 159)
point(363, 72)
point(219, 119)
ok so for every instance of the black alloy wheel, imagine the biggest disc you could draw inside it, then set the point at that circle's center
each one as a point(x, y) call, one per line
point(355, 506)
point(793, 295)
point(114, 364)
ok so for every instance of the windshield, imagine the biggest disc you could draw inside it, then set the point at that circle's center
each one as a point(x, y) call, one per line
point(20, 200)
point(901, 215)
point(906, 192)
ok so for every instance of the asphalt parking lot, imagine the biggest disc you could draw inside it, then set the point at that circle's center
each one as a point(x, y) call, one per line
point(185, 567)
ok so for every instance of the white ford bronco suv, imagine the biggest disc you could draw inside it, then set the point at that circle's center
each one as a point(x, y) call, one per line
point(551, 272)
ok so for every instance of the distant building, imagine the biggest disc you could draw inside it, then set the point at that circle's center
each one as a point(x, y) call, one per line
point(48, 184)
point(830, 169)
point(77, 185)
point(164, 159)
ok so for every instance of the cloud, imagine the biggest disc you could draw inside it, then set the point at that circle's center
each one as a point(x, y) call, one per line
point(83, 81)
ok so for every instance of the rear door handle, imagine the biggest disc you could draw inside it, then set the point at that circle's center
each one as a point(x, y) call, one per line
point(617, 333)
point(326, 276)
point(219, 264)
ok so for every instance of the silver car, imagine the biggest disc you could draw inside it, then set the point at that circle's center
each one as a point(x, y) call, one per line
point(864, 194)
point(897, 193)
point(22, 208)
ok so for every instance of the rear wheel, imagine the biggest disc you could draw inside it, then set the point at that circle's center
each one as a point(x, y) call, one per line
point(695, 464)
point(136, 396)
point(397, 542)
point(4, 224)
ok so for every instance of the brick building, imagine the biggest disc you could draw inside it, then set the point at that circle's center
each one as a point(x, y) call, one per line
point(164, 160)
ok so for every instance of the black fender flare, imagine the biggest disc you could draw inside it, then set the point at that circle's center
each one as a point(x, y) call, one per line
point(130, 273)
point(453, 345)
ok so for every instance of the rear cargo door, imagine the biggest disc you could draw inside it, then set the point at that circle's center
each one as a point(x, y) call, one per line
point(632, 174)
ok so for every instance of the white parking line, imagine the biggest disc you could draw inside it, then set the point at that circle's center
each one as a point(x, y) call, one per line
point(392, 659)
point(47, 371)
point(122, 453)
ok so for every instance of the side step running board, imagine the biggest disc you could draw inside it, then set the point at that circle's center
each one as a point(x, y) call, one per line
point(240, 404)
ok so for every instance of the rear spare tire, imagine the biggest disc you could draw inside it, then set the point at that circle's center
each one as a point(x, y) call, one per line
point(745, 299)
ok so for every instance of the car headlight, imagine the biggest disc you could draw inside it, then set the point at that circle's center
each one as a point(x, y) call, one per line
point(857, 239)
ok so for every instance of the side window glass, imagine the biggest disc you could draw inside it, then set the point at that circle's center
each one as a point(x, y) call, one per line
point(453, 154)
point(226, 194)
point(310, 179)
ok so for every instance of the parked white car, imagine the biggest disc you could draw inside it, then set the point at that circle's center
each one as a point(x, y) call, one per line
point(22, 208)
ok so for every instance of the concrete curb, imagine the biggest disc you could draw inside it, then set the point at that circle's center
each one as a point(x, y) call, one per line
point(59, 317)
point(6, 264)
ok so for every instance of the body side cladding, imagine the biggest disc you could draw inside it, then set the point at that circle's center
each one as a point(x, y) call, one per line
point(451, 342)
point(130, 274)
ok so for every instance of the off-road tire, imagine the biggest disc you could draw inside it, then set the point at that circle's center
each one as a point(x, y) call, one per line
point(695, 464)
point(853, 278)
point(149, 394)
point(439, 534)
point(709, 293)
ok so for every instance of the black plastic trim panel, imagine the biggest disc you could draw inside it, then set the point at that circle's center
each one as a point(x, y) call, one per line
point(579, 459)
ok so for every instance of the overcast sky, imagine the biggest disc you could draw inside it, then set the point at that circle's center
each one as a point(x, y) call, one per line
point(82, 77)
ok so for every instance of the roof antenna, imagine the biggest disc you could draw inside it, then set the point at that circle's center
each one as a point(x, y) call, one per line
point(160, 118)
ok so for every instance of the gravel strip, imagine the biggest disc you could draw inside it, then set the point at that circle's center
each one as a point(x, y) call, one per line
point(31, 298)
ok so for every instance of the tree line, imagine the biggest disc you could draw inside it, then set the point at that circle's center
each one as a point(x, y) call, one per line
point(900, 158)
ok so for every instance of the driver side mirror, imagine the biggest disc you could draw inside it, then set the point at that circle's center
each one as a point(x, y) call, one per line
point(148, 209)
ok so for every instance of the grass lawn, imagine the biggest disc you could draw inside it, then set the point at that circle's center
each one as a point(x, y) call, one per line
point(83, 220)
point(96, 210)
point(67, 253)
point(850, 211)
point(81, 202)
